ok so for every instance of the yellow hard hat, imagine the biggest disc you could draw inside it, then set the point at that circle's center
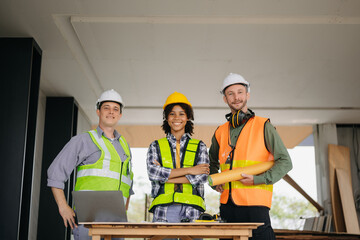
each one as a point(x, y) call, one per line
point(176, 98)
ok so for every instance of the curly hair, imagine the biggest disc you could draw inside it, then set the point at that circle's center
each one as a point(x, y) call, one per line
point(189, 127)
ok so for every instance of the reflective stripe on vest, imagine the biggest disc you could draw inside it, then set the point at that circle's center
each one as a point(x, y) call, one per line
point(187, 196)
point(127, 175)
point(250, 149)
point(106, 173)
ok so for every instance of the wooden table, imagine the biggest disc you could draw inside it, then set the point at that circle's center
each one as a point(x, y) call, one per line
point(309, 235)
point(156, 231)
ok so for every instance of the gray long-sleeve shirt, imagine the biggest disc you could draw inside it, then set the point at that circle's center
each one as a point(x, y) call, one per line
point(80, 150)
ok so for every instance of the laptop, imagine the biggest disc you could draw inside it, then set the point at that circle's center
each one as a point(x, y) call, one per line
point(99, 206)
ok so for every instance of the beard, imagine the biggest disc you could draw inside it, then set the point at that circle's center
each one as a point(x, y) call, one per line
point(236, 106)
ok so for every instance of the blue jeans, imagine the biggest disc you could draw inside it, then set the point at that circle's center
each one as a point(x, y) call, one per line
point(174, 214)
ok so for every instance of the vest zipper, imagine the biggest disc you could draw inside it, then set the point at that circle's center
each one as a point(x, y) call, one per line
point(120, 173)
point(231, 165)
point(232, 156)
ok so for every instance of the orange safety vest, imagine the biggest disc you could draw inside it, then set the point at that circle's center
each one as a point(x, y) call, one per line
point(250, 149)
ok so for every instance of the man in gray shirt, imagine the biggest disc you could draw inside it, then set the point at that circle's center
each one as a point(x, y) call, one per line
point(101, 158)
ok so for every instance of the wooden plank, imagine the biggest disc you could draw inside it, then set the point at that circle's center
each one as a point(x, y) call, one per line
point(170, 231)
point(309, 235)
point(291, 181)
point(339, 158)
point(171, 225)
point(176, 230)
point(347, 200)
point(96, 237)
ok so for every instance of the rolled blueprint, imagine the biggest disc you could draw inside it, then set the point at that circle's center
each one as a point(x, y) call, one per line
point(235, 174)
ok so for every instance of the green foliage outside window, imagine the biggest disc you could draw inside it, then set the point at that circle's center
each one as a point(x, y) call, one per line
point(288, 213)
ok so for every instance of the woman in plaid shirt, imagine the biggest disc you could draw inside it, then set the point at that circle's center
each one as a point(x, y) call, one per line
point(178, 166)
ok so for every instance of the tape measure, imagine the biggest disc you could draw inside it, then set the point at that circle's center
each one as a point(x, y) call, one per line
point(205, 221)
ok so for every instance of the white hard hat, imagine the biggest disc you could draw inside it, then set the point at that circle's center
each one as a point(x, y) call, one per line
point(232, 79)
point(109, 96)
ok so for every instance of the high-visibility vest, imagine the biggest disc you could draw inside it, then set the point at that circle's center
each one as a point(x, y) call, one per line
point(186, 194)
point(250, 149)
point(109, 173)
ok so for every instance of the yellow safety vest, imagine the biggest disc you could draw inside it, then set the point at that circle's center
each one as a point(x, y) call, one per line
point(108, 173)
point(186, 194)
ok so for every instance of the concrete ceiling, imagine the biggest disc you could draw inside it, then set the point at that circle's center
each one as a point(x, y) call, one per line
point(301, 57)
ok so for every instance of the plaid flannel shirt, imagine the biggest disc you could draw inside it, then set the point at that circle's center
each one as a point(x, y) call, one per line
point(158, 175)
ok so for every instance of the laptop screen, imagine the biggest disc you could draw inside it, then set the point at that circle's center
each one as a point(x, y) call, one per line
point(99, 206)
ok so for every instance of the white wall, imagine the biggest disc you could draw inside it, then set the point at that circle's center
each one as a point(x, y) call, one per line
point(324, 134)
point(83, 125)
point(83, 122)
point(36, 182)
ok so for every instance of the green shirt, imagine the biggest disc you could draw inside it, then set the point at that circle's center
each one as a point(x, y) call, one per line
point(273, 143)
